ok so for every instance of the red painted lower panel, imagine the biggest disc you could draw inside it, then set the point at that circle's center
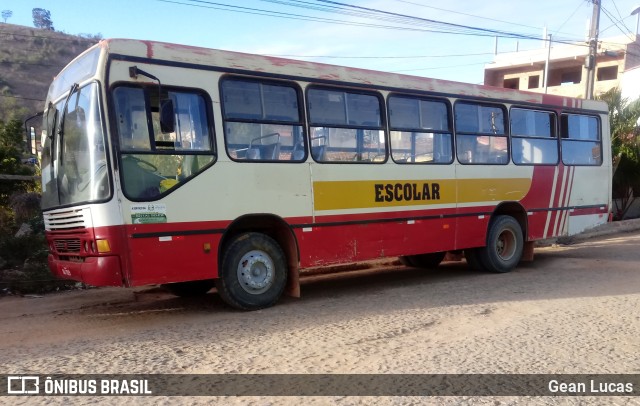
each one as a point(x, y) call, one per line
point(173, 259)
point(134, 261)
point(95, 271)
point(347, 243)
point(176, 252)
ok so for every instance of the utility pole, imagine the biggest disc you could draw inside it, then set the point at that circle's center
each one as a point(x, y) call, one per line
point(590, 62)
point(546, 63)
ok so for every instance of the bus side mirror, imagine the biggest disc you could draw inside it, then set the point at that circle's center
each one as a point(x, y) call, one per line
point(167, 116)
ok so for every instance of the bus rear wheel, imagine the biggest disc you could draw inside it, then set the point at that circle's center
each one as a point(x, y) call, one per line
point(426, 261)
point(253, 274)
point(504, 245)
point(191, 288)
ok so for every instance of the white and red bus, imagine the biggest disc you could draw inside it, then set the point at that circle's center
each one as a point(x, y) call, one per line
point(182, 166)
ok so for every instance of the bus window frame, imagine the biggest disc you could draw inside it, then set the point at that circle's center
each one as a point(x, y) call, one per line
point(556, 137)
point(119, 153)
point(274, 82)
point(565, 137)
point(505, 114)
point(382, 111)
point(448, 106)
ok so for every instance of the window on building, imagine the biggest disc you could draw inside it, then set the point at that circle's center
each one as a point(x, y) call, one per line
point(512, 83)
point(533, 137)
point(581, 141)
point(571, 76)
point(565, 76)
point(420, 130)
point(607, 73)
point(534, 82)
point(345, 126)
point(480, 134)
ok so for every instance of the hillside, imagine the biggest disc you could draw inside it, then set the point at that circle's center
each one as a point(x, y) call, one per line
point(29, 59)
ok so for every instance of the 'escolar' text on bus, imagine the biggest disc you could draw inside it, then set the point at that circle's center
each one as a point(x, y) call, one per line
point(406, 192)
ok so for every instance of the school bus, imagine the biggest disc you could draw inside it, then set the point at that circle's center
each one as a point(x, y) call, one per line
point(189, 167)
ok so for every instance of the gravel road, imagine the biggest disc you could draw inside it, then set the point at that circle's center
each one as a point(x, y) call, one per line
point(574, 309)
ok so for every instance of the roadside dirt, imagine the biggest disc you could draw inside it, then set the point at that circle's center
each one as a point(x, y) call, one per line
point(573, 310)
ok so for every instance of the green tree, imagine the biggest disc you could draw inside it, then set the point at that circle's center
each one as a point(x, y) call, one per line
point(623, 120)
point(42, 19)
point(625, 147)
point(11, 161)
point(6, 14)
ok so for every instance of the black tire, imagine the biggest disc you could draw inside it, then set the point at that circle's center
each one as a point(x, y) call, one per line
point(426, 261)
point(504, 245)
point(191, 288)
point(253, 274)
point(473, 259)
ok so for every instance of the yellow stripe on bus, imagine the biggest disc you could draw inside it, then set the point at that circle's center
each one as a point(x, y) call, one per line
point(337, 195)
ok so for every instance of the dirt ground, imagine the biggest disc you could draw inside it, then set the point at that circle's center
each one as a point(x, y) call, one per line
point(573, 310)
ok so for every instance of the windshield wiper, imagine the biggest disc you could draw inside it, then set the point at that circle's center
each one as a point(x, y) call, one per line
point(74, 88)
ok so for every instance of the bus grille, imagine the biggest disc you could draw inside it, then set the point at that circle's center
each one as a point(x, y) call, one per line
point(69, 220)
point(70, 245)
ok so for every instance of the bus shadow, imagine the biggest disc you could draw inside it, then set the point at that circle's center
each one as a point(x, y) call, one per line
point(601, 268)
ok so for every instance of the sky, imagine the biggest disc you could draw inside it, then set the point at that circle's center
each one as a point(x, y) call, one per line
point(395, 35)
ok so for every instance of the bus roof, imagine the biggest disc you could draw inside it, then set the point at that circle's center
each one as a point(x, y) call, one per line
point(304, 70)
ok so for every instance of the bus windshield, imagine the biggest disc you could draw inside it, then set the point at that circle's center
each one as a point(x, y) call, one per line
point(74, 163)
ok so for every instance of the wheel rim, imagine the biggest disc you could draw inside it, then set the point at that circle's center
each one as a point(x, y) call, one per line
point(506, 244)
point(255, 272)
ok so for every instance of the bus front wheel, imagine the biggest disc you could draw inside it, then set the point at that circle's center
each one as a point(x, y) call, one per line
point(253, 274)
point(504, 245)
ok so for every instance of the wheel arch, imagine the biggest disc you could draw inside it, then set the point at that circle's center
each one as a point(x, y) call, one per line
point(275, 227)
point(515, 210)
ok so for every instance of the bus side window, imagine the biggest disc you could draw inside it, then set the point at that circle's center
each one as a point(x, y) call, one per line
point(533, 137)
point(581, 140)
point(346, 126)
point(262, 121)
point(420, 130)
point(481, 137)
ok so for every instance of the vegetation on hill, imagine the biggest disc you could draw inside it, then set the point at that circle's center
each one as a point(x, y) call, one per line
point(23, 250)
point(29, 59)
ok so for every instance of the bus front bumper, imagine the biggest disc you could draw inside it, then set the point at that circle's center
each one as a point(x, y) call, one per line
point(95, 271)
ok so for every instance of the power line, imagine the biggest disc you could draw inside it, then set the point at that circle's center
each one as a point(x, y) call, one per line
point(469, 15)
point(617, 11)
point(439, 67)
point(446, 28)
point(570, 17)
point(615, 22)
point(459, 27)
point(292, 16)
